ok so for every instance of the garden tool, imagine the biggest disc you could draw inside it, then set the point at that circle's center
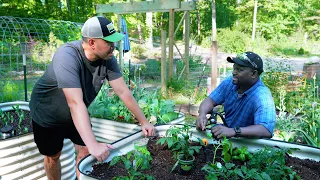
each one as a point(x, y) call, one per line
point(212, 120)
point(6, 132)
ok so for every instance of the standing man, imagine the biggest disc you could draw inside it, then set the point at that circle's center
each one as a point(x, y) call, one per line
point(248, 104)
point(60, 98)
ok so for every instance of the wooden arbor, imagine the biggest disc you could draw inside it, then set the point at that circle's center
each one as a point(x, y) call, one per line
point(156, 6)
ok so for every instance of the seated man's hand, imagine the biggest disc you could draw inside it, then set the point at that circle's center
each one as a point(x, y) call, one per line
point(148, 129)
point(219, 131)
point(201, 123)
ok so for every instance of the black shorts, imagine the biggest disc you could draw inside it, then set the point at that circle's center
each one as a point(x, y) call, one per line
point(50, 140)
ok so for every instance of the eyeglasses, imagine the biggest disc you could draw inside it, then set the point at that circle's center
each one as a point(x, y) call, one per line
point(244, 57)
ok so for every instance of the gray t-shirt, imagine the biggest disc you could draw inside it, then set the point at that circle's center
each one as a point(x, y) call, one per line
point(67, 69)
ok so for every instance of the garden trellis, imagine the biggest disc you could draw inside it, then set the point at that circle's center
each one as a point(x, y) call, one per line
point(36, 39)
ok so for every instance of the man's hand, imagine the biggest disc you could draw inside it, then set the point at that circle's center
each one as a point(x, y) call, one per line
point(100, 151)
point(147, 129)
point(219, 131)
point(201, 123)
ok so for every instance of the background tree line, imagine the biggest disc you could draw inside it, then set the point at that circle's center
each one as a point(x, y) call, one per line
point(276, 19)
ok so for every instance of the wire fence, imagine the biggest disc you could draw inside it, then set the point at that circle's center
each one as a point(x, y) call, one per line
point(36, 39)
point(33, 39)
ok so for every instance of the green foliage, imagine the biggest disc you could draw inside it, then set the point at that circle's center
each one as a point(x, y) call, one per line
point(285, 47)
point(232, 41)
point(178, 140)
point(8, 91)
point(183, 90)
point(20, 114)
point(263, 164)
point(311, 112)
point(242, 154)
point(272, 162)
point(156, 109)
point(138, 50)
point(134, 162)
point(276, 76)
point(176, 84)
point(42, 52)
point(110, 107)
point(286, 122)
point(299, 106)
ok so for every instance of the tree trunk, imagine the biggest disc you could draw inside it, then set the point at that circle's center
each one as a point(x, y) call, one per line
point(214, 48)
point(199, 24)
point(139, 29)
point(254, 19)
point(149, 26)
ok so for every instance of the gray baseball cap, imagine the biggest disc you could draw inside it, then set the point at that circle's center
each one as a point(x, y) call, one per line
point(101, 27)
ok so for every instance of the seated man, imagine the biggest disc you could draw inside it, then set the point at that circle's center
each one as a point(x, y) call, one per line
point(248, 103)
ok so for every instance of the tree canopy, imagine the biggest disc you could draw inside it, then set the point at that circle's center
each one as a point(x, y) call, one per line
point(276, 18)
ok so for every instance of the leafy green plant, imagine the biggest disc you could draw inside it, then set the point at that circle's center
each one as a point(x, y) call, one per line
point(311, 129)
point(134, 162)
point(156, 109)
point(138, 50)
point(263, 164)
point(41, 52)
point(3, 118)
point(271, 161)
point(286, 122)
point(242, 154)
point(9, 91)
point(232, 41)
point(20, 113)
point(178, 139)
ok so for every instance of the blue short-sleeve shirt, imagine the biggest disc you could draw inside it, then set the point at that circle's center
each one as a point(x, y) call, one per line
point(255, 106)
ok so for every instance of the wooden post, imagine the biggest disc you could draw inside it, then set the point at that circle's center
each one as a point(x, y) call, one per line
point(254, 19)
point(120, 46)
point(163, 62)
point(214, 49)
point(149, 24)
point(187, 44)
point(171, 39)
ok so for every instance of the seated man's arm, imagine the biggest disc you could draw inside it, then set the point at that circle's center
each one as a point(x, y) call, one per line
point(205, 107)
point(257, 130)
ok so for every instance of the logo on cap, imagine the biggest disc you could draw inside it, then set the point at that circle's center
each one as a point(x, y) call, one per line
point(110, 28)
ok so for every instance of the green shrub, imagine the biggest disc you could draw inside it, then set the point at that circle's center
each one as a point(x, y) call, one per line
point(176, 84)
point(137, 50)
point(232, 41)
point(9, 91)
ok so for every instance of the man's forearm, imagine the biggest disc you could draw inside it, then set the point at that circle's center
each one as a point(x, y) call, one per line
point(205, 107)
point(81, 121)
point(255, 131)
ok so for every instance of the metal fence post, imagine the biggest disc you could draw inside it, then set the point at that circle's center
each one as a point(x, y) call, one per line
point(25, 77)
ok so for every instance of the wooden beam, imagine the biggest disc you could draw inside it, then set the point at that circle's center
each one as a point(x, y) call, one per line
point(171, 39)
point(120, 46)
point(186, 44)
point(145, 6)
point(163, 62)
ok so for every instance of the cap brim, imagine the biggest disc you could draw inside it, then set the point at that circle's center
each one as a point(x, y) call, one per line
point(115, 37)
point(237, 61)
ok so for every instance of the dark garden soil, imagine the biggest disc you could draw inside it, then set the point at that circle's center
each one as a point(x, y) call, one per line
point(18, 128)
point(162, 163)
